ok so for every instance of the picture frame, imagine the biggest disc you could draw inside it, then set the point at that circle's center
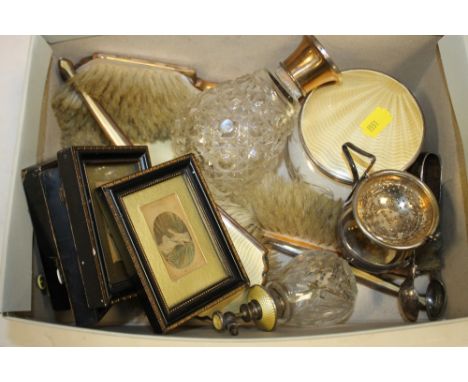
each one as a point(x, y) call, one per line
point(106, 280)
point(174, 235)
point(39, 181)
point(56, 246)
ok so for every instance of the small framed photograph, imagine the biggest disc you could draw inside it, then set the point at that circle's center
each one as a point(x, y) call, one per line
point(83, 169)
point(174, 235)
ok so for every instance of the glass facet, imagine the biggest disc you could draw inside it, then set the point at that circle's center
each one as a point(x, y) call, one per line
point(238, 130)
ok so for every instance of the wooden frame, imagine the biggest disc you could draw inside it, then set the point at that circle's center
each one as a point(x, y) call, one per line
point(178, 245)
point(83, 169)
point(50, 217)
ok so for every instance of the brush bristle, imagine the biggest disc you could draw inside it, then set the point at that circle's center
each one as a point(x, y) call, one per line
point(289, 207)
point(143, 102)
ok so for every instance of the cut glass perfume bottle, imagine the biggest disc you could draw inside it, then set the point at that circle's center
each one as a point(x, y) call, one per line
point(238, 130)
point(314, 289)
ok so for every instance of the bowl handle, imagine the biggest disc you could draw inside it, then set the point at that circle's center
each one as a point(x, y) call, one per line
point(346, 147)
point(356, 179)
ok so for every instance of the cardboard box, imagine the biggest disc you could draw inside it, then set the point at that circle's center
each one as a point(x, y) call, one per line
point(414, 61)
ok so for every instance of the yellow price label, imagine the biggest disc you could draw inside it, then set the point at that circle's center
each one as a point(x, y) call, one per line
point(375, 122)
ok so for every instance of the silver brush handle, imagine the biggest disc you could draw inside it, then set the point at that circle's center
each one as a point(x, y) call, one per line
point(110, 129)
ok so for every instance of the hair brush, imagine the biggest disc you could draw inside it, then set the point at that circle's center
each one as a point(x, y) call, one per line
point(287, 210)
point(143, 97)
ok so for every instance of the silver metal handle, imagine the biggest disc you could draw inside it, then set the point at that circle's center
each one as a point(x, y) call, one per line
point(346, 147)
point(381, 283)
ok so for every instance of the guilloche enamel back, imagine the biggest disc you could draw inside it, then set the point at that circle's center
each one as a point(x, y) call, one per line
point(368, 108)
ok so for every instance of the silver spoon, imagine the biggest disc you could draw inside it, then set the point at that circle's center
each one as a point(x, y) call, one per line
point(411, 302)
point(436, 299)
point(408, 298)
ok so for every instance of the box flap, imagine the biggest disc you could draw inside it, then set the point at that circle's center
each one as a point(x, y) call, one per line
point(23, 76)
point(454, 53)
point(62, 38)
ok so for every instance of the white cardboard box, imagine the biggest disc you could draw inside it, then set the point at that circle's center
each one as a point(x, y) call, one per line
point(413, 60)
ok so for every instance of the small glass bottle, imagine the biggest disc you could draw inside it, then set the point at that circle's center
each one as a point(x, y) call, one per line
point(238, 129)
point(314, 289)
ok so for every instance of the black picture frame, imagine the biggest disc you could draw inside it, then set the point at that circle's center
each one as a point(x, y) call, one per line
point(49, 214)
point(83, 209)
point(38, 181)
point(162, 316)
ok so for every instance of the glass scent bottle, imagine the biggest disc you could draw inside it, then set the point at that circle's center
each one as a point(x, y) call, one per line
point(238, 129)
point(315, 289)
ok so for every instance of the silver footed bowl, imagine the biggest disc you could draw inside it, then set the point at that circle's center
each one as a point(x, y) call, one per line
point(364, 253)
point(395, 209)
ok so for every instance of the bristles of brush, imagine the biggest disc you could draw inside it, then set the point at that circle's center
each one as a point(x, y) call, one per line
point(143, 101)
point(295, 209)
point(289, 207)
point(77, 125)
point(242, 214)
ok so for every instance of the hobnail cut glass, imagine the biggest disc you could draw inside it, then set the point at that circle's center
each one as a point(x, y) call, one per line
point(237, 130)
point(316, 289)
